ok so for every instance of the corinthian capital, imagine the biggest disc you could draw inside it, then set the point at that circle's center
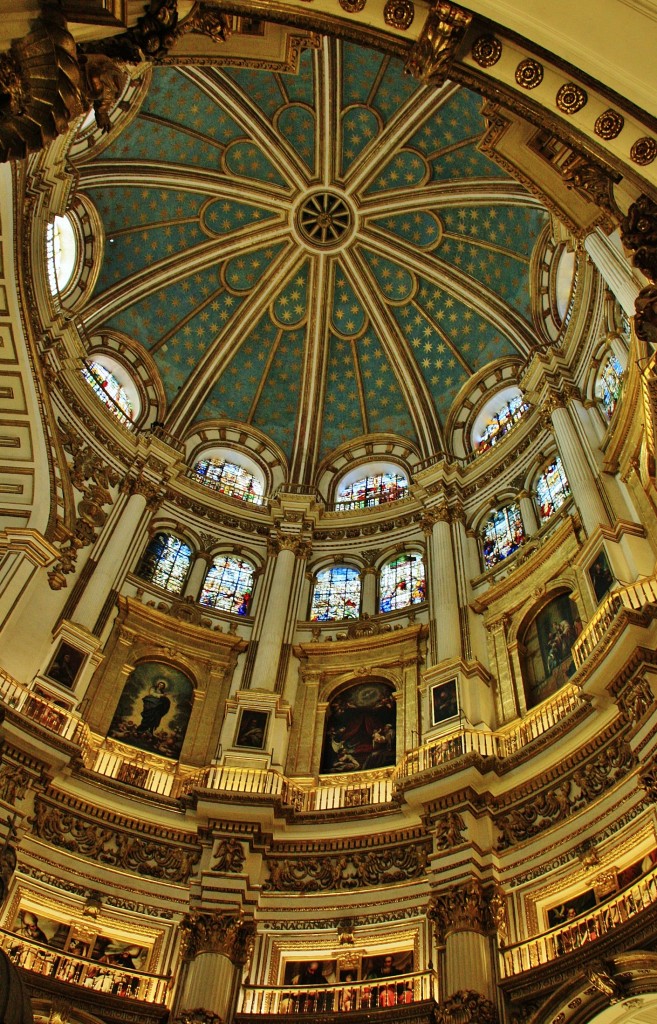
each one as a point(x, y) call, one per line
point(459, 909)
point(219, 932)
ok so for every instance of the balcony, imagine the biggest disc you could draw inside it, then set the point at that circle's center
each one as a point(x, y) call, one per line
point(353, 997)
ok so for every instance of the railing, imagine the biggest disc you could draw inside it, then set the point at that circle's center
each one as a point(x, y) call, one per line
point(633, 597)
point(580, 930)
point(115, 766)
point(58, 720)
point(227, 490)
point(354, 995)
point(95, 975)
point(371, 501)
point(539, 720)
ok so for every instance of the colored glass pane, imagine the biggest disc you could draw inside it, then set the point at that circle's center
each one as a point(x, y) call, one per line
point(229, 478)
point(61, 253)
point(166, 562)
point(336, 594)
point(552, 489)
point(372, 490)
point(228, 585)
point(610, 385)
point(502, 535)
point(402, 583)
point(110, 391)
point(500, 423)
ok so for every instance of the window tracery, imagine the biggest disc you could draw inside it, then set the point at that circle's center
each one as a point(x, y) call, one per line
point(402, 583)
point(166, 562)
point(552, 489)
point(498, 421)
point(229, 478)
point(228, 585)
point(503, 533)
point(109, 390)
point(610, 384)
point(372, 489)
point(336, 594)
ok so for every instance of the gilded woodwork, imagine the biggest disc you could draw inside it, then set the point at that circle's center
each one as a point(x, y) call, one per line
point(438, 43)
point(217, 932)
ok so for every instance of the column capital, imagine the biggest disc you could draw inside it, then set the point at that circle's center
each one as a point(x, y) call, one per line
point(299, 546)
point(216, 932)
point(458, 909)
point(431, 516)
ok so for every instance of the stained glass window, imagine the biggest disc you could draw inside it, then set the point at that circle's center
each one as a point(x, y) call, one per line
point(372, 490)
point(229, 478)
point(336, 594)
point(166, 562)
point(552, 489)
point(500, 423)
point(502, 535)
point(61, 253)
point(228, 585)
point(402, 583)
point(610, 384)
point(110, 391)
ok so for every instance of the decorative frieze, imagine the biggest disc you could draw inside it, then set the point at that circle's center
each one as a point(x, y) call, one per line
point(111, 846)
point(450, 831)
point(348, 870)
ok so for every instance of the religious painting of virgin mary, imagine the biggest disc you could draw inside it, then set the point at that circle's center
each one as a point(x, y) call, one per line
point(360, 729)
point(154, 709)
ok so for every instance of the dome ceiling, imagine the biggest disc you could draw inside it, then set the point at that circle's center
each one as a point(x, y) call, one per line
point(322, 255)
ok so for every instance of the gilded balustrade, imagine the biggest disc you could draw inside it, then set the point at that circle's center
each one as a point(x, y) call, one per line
point(351, 996)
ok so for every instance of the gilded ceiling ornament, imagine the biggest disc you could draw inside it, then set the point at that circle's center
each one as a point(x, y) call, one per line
point(486, 50)
point(399, 13)
point(609, 125)
point(352, 6)
point(529, 73)
point(639, 233)
point(645, 317)
point(571, 98)
point(644, 151)
point(435, 50)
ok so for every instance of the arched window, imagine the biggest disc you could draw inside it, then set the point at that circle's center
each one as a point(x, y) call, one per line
point(497, 418)
point(371, 489)
point(336, 594)
point(61, 253)
point(552, 489)
point(359, 733)
point(229, 478)
point(503, 533)
point(166, 562)
point(402, 582)
point(119, 396)
point(610, 384)
point(228, 585)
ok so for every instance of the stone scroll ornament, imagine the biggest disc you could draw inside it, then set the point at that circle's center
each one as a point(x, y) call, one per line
point(437, 45)
point(46, 80)
point(639, 235)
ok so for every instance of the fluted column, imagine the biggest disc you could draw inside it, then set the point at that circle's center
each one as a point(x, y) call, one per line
point(614, 268)
point(118, 552)
point(275, 611)
point(580, 475)
point(368, 594)
point(459, 916)
point(214, 945)
point(443, 591)
point(197, 575)
point(528, 513)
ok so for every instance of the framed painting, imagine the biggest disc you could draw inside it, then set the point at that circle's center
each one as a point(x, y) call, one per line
point(65, 665)
point(548, 641)
point(153, 710)
point(387, 965)
point(359, 732)
point(310, 972)
point(601, 576)
point(252, 729)
point(444, 702)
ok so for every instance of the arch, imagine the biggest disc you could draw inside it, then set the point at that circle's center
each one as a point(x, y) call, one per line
point(166, 562)
point(360, 728)
point(74, 252)
point(242, 443)
point(154, 708)
point(228, 585)
point(546, 645)
point(114, 387)
point(609, 384)
point(474, 396)
point(135, 368)
point(402, 582)
point(336, 594)
point(497, 417)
